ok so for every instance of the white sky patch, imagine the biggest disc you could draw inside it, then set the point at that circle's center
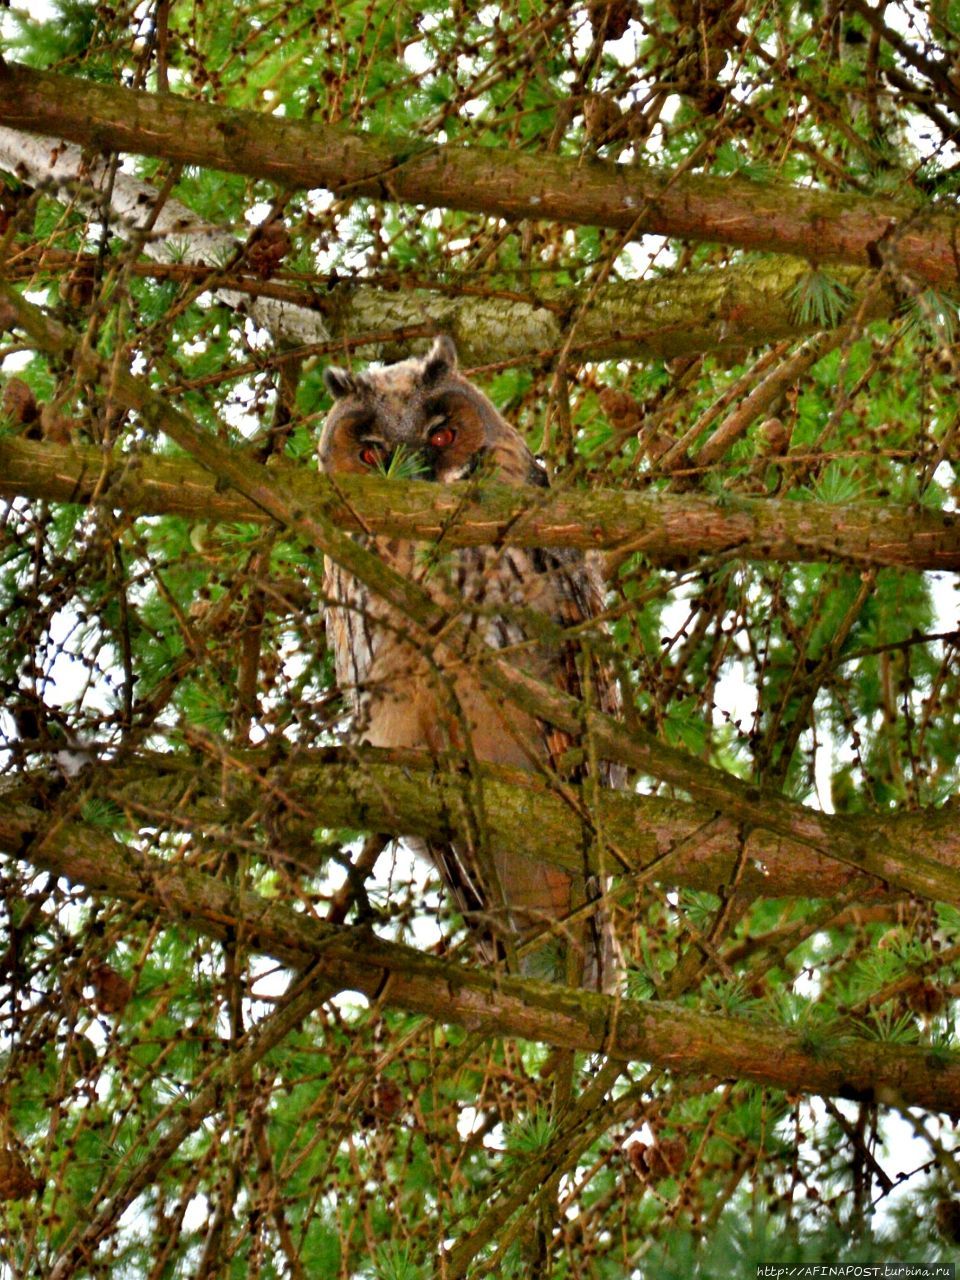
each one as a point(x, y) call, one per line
point(946, 604)
point(468, 1121)
point(901, 1151)
point(67, 679)
point(16, 362)
point(258, 212)
point(418, 58)
point(735, 697)
point(807, 985)
point(267, 980)
point(39, 11)
point(626, 48)
point(824, 765)
point(197, 1214)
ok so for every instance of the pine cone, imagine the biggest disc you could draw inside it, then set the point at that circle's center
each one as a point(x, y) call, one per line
point(112, 991)
point(16, 1180)
point(774, 436)
point(19, 402)
point(621, 409)
point(268, 249)
point(664, 1159)
point(610, 18)
point(601, 117)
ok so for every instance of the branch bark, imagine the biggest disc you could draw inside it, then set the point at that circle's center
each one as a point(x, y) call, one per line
point(666, 528)
point(739, 307)
point(405, 793)
point(838, 1064)
point(819, 225)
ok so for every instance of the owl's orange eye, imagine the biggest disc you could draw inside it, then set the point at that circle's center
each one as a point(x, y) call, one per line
point(442, 437)
point(369, 455)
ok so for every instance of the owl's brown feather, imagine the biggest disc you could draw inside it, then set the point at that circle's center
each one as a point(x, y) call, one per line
point(518, 600)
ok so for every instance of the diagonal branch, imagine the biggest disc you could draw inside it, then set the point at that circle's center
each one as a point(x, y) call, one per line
point(820, 225)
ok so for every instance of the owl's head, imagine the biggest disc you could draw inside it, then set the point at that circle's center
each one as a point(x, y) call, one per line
point(430, 409)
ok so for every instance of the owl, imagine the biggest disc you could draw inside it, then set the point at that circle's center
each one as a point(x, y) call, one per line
point(421, 417)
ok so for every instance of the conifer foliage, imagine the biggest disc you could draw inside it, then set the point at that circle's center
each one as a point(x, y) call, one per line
point(704, 256)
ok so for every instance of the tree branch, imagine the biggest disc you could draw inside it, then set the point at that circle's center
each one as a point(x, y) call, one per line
point(819, 225)
point(432, 629)
point(666, 528)
point(406, 793)
point(741, 306)
point(838, 1064)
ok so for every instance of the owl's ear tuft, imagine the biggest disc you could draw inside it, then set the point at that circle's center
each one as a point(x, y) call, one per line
point(339, 382)
point(441, 360)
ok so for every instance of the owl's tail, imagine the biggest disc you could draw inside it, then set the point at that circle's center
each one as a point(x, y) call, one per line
point(554, 922)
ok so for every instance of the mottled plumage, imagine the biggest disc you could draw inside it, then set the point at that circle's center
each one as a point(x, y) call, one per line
point(519, 600)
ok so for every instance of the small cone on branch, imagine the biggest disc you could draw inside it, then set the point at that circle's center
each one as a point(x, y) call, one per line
point(111, 990)
point(54, 426)
point(16, 1180)
point(19, 402)
point(267, 250)
point(610, 18)
point(774, 436)
point(621, 409)
point(601, 116)
point(947, 1214)
point(78, 288)
point(661, 1159)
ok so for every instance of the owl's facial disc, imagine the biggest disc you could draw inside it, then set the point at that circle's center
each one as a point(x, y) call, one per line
point(453, 438)
point(418, 419)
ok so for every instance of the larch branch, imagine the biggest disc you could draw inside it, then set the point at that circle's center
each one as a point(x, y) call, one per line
point(823, 226)
point(666, 528)
point(431, 628)
point(840, 1064)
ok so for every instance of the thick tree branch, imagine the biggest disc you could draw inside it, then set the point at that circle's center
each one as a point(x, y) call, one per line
point(404, 793)
point(666, 528)
point(356, 959)
point(741, 306)
point(819, 225)
point(432, 629)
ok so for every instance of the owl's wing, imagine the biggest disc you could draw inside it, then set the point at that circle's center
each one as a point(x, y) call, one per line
point(559, 593)
point(466, 884)
point(582, 672)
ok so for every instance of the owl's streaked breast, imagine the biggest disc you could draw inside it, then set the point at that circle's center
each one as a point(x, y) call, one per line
point(403, 697)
